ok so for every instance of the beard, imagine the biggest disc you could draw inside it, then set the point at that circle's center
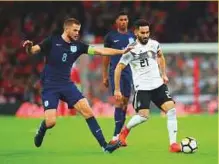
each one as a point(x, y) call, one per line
point(143, 40)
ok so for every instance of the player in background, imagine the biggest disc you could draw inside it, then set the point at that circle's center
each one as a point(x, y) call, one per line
point(119, 39)
point(149, 83)
point(61, 51)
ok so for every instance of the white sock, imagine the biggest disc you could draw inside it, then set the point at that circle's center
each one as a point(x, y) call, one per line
point(115, 137)
point(172, 125)
point(136, 120)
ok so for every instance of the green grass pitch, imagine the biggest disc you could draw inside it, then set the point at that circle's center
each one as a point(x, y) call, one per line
point(70, 142)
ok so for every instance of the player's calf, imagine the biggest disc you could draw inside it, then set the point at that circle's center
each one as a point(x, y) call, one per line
point(48, 123)
point(84, 108)
point(137, 119)
point(44, 126)
point(38, 139)
point(119, 117)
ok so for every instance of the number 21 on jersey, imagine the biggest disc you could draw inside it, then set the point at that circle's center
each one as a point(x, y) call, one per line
point(64, 57)
point(144, 62)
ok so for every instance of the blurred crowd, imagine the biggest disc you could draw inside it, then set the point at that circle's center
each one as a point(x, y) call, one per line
point(172, 22)
point(180, 70)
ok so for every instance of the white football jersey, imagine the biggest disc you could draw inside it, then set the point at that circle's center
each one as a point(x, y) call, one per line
point(143, 62)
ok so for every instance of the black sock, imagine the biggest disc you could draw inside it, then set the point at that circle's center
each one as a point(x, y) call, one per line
point(123, 116)
point(43, 128)
point(96, 131)
point(119, 120)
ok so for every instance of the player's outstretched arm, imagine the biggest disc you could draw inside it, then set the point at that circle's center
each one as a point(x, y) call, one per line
point(162, 65)
point(108, 51)
point(30, 48)
point(117, 77)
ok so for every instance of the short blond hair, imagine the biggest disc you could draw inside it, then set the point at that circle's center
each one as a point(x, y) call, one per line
point(70, 21)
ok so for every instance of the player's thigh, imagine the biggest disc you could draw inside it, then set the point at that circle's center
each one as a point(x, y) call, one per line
point(125, 102)
point(111, 83)
point(126, 85)
point(71, 95)
point(118, 104)
point(162, 98)
point(50, 99)
point(141, 100)
point(84, 108)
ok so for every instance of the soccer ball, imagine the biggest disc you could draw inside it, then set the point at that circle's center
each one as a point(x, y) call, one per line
point(189, 145)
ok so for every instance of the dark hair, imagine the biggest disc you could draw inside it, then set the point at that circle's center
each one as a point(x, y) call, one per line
point(70, 21)
point(141, 22)
point(122, 12)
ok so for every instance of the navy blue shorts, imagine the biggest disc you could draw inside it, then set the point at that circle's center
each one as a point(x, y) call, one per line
point(68, 93)
point(125, 84)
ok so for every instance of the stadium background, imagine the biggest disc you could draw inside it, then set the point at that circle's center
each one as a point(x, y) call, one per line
point(192, 68)
point(193, 85)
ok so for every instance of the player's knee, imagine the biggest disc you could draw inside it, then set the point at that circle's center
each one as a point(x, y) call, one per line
point(144, 113)
point(50, 123)
point(87, 113)
point(142, 118)
point(125, 105)
point(168, 105)
point(50, 118)
point(84, 108)
point(118, 104)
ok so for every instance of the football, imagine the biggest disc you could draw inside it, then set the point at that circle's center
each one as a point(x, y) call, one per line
point(189, 145)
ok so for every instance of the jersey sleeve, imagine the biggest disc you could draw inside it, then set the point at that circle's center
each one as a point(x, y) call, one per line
point(84, 48)
point(126, 58)
point(46, 45)
point(158, 47)
point(107, 42)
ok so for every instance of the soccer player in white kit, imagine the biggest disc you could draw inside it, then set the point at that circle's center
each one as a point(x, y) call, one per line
point(149, 79)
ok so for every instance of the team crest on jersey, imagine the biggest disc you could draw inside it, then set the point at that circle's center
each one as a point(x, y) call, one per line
point(73, 49)
point(131, 40)
point(46, 103)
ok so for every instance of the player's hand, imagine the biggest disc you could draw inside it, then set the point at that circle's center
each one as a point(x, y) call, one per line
point(165, 79)
point(106, 82)
point(127, 49)
point(27, 43)
point(117, 95)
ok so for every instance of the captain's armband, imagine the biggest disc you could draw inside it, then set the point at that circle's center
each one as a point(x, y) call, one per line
point(91, 51)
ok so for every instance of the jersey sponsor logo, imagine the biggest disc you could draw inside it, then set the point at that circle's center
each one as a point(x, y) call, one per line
point(115, 41)
point(131, 40)
point(73, 49)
